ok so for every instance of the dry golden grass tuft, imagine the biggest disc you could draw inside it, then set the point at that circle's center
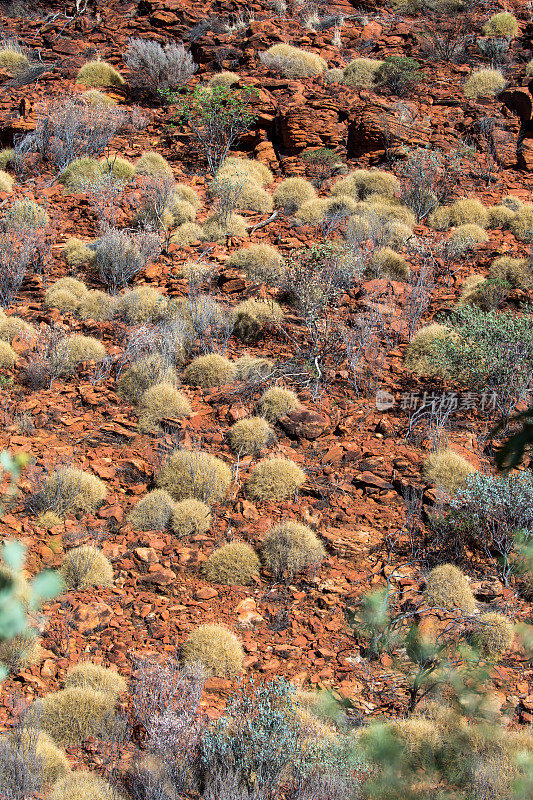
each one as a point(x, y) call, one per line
point(142, 304)
point(293, 62)
point(500, 216)
point(153, 165)
point(76, 349)
point(82, 786)
point(142, 374)
point(361, 72)
point(70, 716)
point(447, 470)
point(153, 512)
point(251, 317)
point(70, 490)
point(160, 402)
point(324, 209)
point(274, 479)
point(53, 761)
point(208, 371)
point(225, 79)
point(86, 566)
point(94, 676)
point(292, 193)
point(247, 168)
point(260, 262)
point(13, 59)
point(290, 547)
point(6, 182)
point(99, 73)
point(232, 564)
point(216, 649)
point(20, 651)
point(522, 224)
point(97, 305)
point(494, 635)
point(190, 517)
point(277, 402)
point(516, 271)
point(11, 327)
point(386, 263)
point(447, 587)
point(80, 173)
point(196, 474)
point(363, 183)
point(484, 83)
point(217, 227)
point(501, 24)
point(7, 355)
point(249, 436)
point(252, 369)
point(187, 234)
point(121, 168)
point(466, 238)
point(418, 353)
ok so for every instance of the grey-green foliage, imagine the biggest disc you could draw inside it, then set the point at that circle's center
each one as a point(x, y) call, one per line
point(492, 352)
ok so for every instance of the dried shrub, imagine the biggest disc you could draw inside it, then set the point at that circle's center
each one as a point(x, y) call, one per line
point(181, 212)
point(12, 57)
point(484, 83)
point(7, 355)
point(86, 566)
point(187, 193)
point(418, 354)
point(289, 548)
point(216, 649)
point(82, 785)
point(277, 402)
point(250, 436)
point(251, 317)
point(95, 97)
point(190, 518)
point(218, 226)
point(69, 490)
point(447, 587)
point(447, 469)
point(30, 742)
point(468, 211)
point(464, 239)
point(72, 715)
point(160, 402)
point(187, 234)
point(77, 254)
point(195, 474)
point(11, 327)
point(485, 294)
point(6, 182)
point(158, 69)
point(142, 304)
point(121, 255)
point(99, 73)
point(362, 184)
point(335, 75)
point(292, 62)
point(225, 78)
point(493, 635)
point(142, 374)
point(94, 676)
point(208, 371)
point(361, 72)
point(502, 24)
point(20, 651)
point(385, 262)
point(154, 165)
point(232, 564)
point(522, 224)
point(292, 193)
point(153, 512)
point(260, 262)
point(66, 295)
point(274, 479)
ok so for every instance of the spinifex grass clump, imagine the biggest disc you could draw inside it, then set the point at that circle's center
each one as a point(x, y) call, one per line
point(216, 649)
point(291, 547)
point(447, 587)
point(195, 474)
point(86, 566)
point(274, 479)
point(233, 564)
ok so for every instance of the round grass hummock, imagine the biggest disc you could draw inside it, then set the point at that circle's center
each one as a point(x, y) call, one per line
point(447, 587)
point(232, 564)
point(196, 474)
point(216, 649)
point(274, 479)
point(99, 73)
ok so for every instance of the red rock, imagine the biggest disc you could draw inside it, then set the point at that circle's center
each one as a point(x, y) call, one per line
point(303, 423)
point(207, 593)
point(162, 577)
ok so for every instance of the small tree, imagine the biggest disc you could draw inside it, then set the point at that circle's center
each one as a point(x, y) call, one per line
point(217, 118)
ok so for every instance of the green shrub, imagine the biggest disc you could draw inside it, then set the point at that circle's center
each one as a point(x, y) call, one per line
point(419, 354)
point(218, 226)
point(77, 255)
point(72, 715)
point(7, 355)
point(293, 62)
point(447, 469)
point(233, 564)
point(251, 317)
point(277, 402)
point(190, 518)
point(292, 193)
point(248, 368)
point(159, 402)
point(274, 479)
point(69, 490)
point(362, 184)
point(187, 234)
point(13, 59)
point(6, 182)
point(80, 173)
point(494, 635)
point(502, 24)
point(518, 272)
point(153, 512)
point(466, 238)
point(121, 168)
point(99, 73)
point(289, 548)
point(249, 436)
point(86, 566)
point(21, 651)
point(142, 374)
point(195, 474)
point(216, 649)
point(83, 785)
point(11, 327)
point(361, 72)
point(522, 224)
point(76, 349)
point(153, 165)
point(385, 262)
point(399, 74)
point(53, 763)
point(447, 587)
point(484, 82)
point(260, 262)
point(208, 371)
point(94, 676)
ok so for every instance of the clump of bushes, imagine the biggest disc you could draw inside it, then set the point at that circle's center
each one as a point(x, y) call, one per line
point(86, 566)
point(274, 479)
point(361, 72)
point(216, 649)
point(260, 262)
point(159, 402)
point(292, 62)
point(70, 716)
point(97, 305)
point(362, 184)
point(447, 469)
point(76, 349)
point(142, 304)
point(277, 402)
point(70, 490)
point(467, 211)
point(447, 587)
point(522, 224)
point(250, 436)
point(292, 193)
point(484, 293)
point(187, 234)
point(484, 82)
point(208, 371)
point(493, 635)
point(418, 354)
point(399, 74)
point(94, 676)
point(248, 368)
point(153, 512)
point(246, 169)
point(121, 168)
point(233, 564)
point(289, 548)
point(251, 317)
point(190, 518)
point(99, 73)
point(195, 474)
point(66, 294)
point(11, 327)
point(500, 216)
point(502, 24)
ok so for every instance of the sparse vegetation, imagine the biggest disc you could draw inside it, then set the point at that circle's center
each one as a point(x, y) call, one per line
point(289, 548)
point(216, 649)
point(419, 353)
point(233, 564)
point(195, 474)
point(274, 479)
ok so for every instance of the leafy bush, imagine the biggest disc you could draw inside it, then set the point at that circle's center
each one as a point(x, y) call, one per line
point(94, 676)
point(233, 564)
point(252, 316)
point(215, 648)
point(195, 474)
point(362, 183)
point(399, 74)
point(99, 73)
point(447, 587)
point(447, 469)
point(484, 82)
point(389, 264)
point(289, 548)
point(277, 402)
point(249, 436)
point(292, 62)
point(274, 479)
point(158, 69)
point(159, 402)
point(494, 635)
point(121, 255)
point(260, 262)
point(69, 490)
point(81, 785)
point(292, 193)
point(502, 24)
point(208, 371)
point(72, 715)
point(361, 72)
point(190, 517)
point(153, 512)
point(420, 354)
point(12, 57)
point(86, 566)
